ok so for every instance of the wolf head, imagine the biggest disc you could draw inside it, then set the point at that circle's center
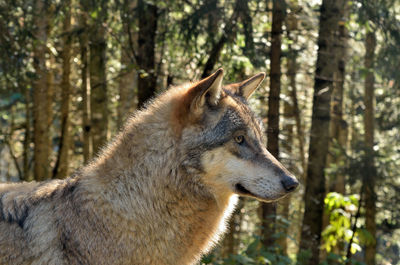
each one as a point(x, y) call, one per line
point(224, 143)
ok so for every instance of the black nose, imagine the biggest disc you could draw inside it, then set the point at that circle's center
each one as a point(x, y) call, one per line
point(289, 183)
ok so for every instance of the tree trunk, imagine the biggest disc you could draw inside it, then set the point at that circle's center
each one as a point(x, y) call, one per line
point(278, 15)
point(27, 136)
point(86, 123)
point(98, 78)
point(147, 79)
point(292, 69)
point(338, 126)
point(40, 93)
point(319, 135)
point(287, 146)
point(370, 170)
point(51, 72)
point(126, 89)
point(62, 163)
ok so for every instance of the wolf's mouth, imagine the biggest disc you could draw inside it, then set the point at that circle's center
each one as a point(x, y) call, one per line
point(242, 190)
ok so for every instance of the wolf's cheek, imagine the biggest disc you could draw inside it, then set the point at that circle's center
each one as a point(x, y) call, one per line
point(226, 172)
point(255, 181)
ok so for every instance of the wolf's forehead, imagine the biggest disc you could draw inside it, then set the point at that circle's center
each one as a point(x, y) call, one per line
point(243, 117)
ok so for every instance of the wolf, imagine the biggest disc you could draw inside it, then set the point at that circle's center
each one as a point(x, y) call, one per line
point(159, 193)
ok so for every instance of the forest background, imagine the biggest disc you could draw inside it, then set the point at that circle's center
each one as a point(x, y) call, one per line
point(71, 71)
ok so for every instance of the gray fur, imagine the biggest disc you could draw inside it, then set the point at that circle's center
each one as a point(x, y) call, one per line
point(159, 193)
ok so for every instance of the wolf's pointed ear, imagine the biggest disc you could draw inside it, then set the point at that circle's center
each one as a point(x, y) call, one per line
point(246, 87)
point(207, 90)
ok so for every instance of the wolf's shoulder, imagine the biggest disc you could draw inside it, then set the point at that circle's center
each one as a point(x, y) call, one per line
point(18, 199)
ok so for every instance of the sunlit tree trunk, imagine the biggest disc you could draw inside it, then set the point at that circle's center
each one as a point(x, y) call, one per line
point(126, 89)
point(292, 68)
point(62, 163)
point(86, 122)
point(287, 147)
point(319, 135)
point(370, 170)
point(51, 72)
point(27, 136)
point(40, 93)
point(147, 79)
point(291, 25)
point(278, 16)
point(98, 78)
point(338, 126)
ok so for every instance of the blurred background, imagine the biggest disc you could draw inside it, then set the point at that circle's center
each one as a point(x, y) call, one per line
point(71, 71)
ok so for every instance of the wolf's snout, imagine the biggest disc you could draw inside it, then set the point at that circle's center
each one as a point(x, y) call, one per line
point(289, 183)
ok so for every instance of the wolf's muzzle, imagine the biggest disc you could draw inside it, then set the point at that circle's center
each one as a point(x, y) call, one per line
point(289, 183)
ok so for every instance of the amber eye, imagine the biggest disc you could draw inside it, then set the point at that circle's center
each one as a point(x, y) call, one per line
point(239, 139)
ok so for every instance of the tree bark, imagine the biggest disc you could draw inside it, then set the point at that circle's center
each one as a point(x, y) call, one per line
point(40, 93)
point(51, 71)
point(338, 126)
point(86, 122)
point(319, 136)
point(370, 170)
point(126, 89)
point(62, 163)
point(292, 69)
point(287, 146)
point(147, 79)
point(27, 136)
point(98, 78)
point(278, 16)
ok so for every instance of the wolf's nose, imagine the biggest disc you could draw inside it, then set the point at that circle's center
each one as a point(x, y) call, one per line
point(289, 183)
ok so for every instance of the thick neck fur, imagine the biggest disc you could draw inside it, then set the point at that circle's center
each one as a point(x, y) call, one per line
point(170, 216)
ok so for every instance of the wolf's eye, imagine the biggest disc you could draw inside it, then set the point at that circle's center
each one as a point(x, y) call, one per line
point(239, 139)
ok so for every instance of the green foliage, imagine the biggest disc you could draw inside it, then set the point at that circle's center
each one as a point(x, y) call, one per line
point(340, 209)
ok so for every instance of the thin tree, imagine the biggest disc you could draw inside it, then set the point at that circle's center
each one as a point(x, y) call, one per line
point(97, 70)
point(147, 79)
point(287, 146)
point(268, 210)
point(292, 68)
point(86, 122)
point(370, 170)
point(40, 91)
point(62, 162)
point(28, 134)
